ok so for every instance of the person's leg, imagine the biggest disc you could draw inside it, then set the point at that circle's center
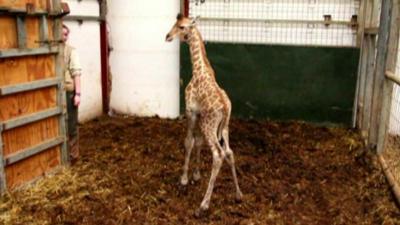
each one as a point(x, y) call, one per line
point(73, 136)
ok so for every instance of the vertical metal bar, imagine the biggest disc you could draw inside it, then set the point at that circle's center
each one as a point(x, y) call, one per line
point(186, 7)
point(21, 29)
point(61, 95)
point(388, 85)
point(105, 76)
point(44, 30)
point(379, 73)
point(3, 181)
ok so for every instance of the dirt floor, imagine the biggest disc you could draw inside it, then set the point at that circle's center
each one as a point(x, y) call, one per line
point(290, 173)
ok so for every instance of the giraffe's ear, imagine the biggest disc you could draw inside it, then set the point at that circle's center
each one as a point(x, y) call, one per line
point(179, 16)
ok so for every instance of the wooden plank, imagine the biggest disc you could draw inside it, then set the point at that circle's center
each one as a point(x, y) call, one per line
point(33, 32)
point(31, 168)
point(33, 134)
point(369, 83)
point(15, 71)
point(22, 12)
point(8, 37)
point(26, 103)
point(359, 100)
point(369, 13)
point(361, 76)
point(21, 4)
point(50, 25)
point(379, 73)
point(390, 178)
point(31, 151)
point(27, 52)
point(361, 83)
point(14, 89)
point(361, 18)
point(20, 121)
point(376, 11)
point(391, 60)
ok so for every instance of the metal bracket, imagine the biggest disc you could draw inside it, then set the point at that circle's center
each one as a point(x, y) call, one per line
point(51, 42)
point(201, 2)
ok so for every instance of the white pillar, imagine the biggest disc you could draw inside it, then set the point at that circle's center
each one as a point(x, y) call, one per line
point(145, 68)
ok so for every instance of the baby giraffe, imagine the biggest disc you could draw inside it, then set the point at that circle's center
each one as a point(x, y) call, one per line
point(208, 111)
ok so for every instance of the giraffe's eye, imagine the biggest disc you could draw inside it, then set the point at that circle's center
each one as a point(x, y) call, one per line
point(181, 27)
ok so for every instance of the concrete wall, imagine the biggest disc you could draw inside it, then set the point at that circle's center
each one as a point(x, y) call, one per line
point(145, 69)
point(85, 38)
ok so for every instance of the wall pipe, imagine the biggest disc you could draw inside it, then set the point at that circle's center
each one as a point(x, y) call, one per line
point(104, 52)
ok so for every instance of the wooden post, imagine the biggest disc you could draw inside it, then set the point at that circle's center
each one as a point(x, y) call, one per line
point(44, 32)
point(368, 95)
point(366, 67)
point(361, 76)
point(3, 184)
point(361, 26)
point(21, 32)
point(389, 176)
point(61, 95)
point(379, 73)
point(388, 84)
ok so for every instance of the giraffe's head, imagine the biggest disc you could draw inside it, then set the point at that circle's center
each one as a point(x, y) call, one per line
point(181, 28)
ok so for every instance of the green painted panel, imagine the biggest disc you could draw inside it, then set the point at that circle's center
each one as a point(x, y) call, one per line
point(283, 82)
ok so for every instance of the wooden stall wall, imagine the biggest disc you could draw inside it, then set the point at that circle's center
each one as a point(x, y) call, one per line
point(32, 111)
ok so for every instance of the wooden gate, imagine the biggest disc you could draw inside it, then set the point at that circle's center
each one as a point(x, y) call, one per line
point(32, 100)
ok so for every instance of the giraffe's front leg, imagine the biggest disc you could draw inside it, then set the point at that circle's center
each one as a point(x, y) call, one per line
point(189, 142)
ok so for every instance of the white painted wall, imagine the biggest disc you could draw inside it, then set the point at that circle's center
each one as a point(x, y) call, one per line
point(145, 68)
point(85, 38)
point(394, 124)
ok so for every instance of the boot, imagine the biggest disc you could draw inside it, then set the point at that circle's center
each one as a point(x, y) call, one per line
point(74, 149)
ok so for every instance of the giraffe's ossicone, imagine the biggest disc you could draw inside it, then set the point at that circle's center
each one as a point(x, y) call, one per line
point(208, 110)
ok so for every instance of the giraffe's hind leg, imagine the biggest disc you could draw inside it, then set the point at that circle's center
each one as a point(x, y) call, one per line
point(231, 161)
point(189, 142)
point(198, 144)
point(209, 129)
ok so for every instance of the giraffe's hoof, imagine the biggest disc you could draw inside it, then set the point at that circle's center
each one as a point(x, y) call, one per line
point(184, 181)
point(239, 197)
point(200, 213)
point(196, 176)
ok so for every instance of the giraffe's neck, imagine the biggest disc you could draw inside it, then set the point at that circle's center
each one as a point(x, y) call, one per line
point(200, 62)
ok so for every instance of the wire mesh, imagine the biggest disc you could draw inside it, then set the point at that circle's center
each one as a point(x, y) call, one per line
point(288, 22)
point(392, 148)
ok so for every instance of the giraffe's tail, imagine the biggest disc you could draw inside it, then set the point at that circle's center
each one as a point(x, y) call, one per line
point(223, 139)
